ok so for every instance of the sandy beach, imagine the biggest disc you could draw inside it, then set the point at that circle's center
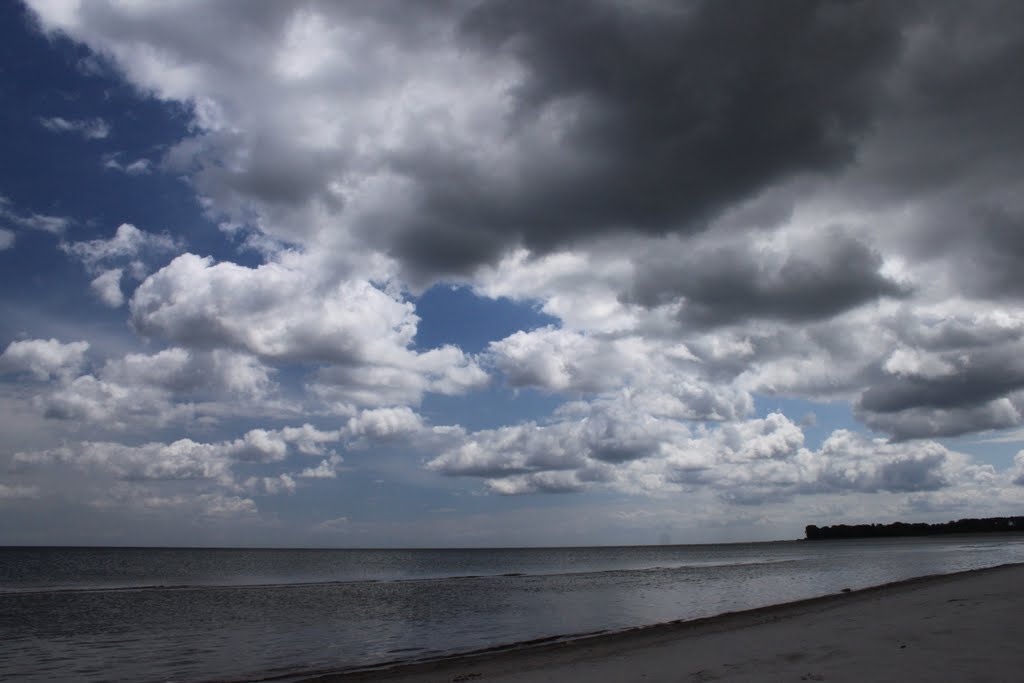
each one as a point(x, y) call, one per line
point(957, 627)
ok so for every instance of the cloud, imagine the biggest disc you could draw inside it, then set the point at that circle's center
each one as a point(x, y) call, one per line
point(186, 460)
point(6, 239)
point(556, 146)
point(750, 462)
point(664, 148)
point(272, 311)
point(309, 440)
point(185, 476)
point(270, 486)
point(968, 377)
point(327, 469)
point(281, 312)
point(1017, 472)
point(139, 391)
point(558, 359)
point(55, 225)
point(827, 210)
point(664, 377)
point(127, 246)
point(742, 282)
point(107, 286)
point(384, 423)
point(593, 442)
point(181, 460)
point(579, 288)
point(850, 461)
point(184, 371)
point(134, 168)
point(894, 346)
point(932, 422)
point(553, 146)
point(954, 374)
point(767, 207)
point(18, 492)
point(585, 150)
point(90, 129)
point(876, 353)
point(206, 506)
point(447, 371)
point(44, 358)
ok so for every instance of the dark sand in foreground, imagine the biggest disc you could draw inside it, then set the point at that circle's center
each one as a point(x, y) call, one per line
point(958, 627)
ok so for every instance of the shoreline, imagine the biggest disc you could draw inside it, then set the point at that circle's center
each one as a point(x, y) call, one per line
point(542, 659)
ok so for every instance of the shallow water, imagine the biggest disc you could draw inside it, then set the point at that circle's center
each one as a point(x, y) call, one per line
point(206, 614)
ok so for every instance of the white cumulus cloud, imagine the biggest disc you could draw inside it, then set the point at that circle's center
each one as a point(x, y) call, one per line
point(107, 286)
point(43, 358)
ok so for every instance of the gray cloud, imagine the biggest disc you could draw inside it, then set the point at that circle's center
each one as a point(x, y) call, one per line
point(995, 252)
point(962, 378)
point(18, 492)
point(928, 422)
point(970, 379)
point(950, 110)
point(658, 127)
point(738, 282)
point(594, 117)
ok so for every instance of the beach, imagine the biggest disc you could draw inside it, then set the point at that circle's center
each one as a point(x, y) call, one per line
point(956, 627)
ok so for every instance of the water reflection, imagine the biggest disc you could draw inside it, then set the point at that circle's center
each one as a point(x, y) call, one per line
point(335, 609)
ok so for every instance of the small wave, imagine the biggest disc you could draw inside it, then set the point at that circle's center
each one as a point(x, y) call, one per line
point(681, 567)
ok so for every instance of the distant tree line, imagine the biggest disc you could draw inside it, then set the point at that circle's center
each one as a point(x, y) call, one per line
point(961, 526)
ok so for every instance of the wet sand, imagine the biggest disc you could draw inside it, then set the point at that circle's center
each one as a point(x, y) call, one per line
point(957, 627)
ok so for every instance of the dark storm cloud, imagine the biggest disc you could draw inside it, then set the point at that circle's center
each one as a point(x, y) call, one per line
point(737, 283)
point(950, 138)
point(972, 380)
point(993, 256)
point(954, 111)
point(976, 391)
point(675, 113)
point(926, 423)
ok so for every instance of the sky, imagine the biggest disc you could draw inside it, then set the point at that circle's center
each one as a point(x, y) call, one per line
point(496, 273)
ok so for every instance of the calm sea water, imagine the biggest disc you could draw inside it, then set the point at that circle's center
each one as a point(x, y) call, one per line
point(106, 614)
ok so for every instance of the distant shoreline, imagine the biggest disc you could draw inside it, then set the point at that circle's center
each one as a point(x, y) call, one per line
point(805, 629)
point(986, 525)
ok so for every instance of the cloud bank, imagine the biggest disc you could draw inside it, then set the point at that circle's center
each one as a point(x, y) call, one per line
point(719, 205)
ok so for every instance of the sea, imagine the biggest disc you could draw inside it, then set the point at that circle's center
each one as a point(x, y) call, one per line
point(191, 614)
